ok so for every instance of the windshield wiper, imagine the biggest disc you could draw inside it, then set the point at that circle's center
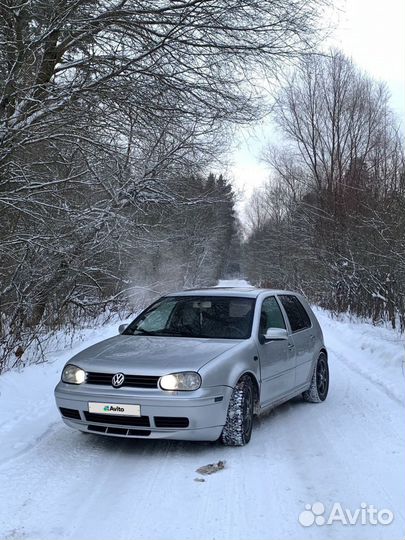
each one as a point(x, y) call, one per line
point(175, 333)
point(163, 332)
point(143, 332)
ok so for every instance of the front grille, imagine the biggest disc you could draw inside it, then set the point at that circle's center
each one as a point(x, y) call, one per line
point(171, 422)
point(134, 381)
point(139, 432)
point(69, 413)
point(117, 419)
point(99, 429)
point(120, 431)
point(117, 431)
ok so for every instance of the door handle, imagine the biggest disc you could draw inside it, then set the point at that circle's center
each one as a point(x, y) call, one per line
point(291, 346)
point(312, 337)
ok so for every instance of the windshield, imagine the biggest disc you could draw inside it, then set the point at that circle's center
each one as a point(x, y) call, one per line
point(196, 317)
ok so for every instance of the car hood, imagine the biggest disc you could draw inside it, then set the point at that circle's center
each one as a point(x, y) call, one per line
point(154, 355)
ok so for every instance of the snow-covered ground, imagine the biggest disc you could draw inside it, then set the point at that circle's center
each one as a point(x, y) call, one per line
point(56, 483)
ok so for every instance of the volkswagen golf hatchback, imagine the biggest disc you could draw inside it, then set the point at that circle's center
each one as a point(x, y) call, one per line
point(198, 365)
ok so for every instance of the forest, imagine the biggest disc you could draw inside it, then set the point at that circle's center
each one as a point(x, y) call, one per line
point(331, 221)
point(115, 123)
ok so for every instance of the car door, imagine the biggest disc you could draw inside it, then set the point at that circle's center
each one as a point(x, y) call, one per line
point(302, 335)
point(277, 362)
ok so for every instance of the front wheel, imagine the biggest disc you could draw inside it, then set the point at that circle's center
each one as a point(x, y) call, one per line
point(239, 421)
point(318, 390)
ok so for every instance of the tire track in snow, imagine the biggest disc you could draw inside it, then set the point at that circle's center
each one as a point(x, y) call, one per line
point(126, 474)
point(371, 423)
point(32, 446)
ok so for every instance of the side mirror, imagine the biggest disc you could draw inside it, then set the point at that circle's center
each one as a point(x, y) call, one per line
point(121, 328)
point(275, 334)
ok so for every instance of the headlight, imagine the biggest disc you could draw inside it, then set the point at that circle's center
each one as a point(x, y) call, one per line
point(73, 375)
point(186, 380)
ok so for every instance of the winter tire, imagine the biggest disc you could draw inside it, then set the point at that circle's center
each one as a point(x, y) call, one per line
point(239, 421)
point(318, 390)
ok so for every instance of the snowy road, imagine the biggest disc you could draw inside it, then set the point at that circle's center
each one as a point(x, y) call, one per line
point(56, 483)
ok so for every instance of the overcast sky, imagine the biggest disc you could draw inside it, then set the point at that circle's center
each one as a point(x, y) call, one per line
point(372, 33)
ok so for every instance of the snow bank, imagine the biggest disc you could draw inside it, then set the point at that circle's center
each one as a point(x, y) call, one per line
point(376, 352)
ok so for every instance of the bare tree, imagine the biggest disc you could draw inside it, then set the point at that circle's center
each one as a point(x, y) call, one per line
point(342, 173)
point(109, 112)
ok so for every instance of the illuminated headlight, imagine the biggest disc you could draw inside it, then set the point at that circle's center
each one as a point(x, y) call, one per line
point(73, 375)
point(186, 380)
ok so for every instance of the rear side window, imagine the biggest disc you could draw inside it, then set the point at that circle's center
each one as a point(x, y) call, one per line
point(296, 313)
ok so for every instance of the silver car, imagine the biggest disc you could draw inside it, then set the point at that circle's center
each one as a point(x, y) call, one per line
point(198, 365)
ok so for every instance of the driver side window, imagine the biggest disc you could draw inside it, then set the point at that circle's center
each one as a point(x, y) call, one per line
point(271, 316)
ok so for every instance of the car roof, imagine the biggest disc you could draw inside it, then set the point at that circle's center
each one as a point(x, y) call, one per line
point(245, 292)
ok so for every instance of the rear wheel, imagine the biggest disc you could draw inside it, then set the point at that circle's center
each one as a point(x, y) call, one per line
point(318, 390)
point(239, 421)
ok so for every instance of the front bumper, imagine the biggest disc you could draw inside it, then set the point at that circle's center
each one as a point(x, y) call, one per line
point(205, 411)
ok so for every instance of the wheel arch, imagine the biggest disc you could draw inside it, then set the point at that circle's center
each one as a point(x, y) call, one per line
point(256, 388)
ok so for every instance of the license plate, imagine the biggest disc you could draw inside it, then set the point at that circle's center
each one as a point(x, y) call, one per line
point(115, 408)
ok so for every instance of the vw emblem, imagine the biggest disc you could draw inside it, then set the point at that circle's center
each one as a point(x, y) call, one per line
point(118, 380)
